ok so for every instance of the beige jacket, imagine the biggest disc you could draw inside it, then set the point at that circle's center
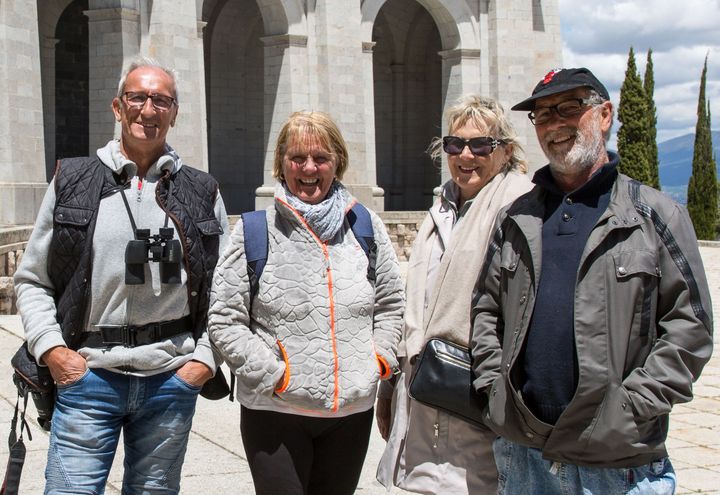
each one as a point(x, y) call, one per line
point(429, 451)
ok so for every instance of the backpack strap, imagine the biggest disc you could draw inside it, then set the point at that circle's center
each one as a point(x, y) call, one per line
point(361, 224)
point(255, 232)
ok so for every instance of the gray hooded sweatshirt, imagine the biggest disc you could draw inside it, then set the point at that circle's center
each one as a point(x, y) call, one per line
point(112, 302)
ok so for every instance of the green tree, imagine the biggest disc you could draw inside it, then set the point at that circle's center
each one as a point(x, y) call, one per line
point(633, 116)
point(652, 149)
point(702, 189)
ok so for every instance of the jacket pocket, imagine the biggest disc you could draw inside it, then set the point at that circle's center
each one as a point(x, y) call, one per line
point(72, 215)
point(509, 261)
point(505, 418)
point(73, 221)
point(614, 426)
point(303, 384)
point(209, 226)
point(634, 304)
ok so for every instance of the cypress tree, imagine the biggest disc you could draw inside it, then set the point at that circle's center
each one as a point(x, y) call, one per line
point(652, 149)
point(702, 189)
point(633, 117)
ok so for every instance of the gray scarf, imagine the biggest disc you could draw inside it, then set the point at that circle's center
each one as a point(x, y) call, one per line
point(326, 217)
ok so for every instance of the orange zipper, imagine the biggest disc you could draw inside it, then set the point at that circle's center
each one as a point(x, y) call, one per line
point(326, 254)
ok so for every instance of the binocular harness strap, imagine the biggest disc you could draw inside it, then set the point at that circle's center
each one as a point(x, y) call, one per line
point(130, 215)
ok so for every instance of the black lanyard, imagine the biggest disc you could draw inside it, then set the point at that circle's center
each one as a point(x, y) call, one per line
point(130, 215)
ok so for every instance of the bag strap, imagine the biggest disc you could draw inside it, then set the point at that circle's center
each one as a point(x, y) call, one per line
point(255, 232)
point(16, 457)
point(361, 224)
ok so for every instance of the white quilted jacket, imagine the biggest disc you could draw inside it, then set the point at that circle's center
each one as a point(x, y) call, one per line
point(319, 335)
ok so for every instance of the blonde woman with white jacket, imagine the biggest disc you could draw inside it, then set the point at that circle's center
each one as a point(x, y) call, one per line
point(429, 451)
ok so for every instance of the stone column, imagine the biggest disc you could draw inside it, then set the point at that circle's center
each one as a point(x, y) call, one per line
point(47, 53)
point(114, 37)
point(370, 171)
point(22, 150)
point(286, 91)
point(522, 23)
point(343, 67)
point(461, 75)
point(174, 38)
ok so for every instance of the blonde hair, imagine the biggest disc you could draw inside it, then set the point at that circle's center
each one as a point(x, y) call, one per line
point(483, 113)
point(305, 126)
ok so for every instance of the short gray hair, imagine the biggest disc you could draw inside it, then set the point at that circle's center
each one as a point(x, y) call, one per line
point(143, 61)
point(594, 99)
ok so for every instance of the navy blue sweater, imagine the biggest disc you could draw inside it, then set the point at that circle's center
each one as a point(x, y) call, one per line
point(549, 358)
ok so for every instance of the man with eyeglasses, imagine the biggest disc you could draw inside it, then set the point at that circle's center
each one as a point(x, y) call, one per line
point(593, 315)
point(113, 290)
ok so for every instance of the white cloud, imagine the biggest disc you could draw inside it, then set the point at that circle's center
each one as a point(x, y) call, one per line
point(598, 35)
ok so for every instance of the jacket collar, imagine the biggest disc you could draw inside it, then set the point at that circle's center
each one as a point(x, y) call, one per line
point(600, 181)
point(528, 211)
point(112, 157)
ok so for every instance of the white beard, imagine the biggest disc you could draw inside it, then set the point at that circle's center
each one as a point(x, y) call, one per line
point(589, 144)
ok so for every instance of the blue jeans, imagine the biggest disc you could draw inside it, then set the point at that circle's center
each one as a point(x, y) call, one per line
point(522, 470)
point(155, 414)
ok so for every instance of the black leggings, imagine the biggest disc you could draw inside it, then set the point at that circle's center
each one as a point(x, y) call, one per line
point(300, 455)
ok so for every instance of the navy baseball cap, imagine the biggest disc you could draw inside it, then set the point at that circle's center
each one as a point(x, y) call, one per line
point(559, 80)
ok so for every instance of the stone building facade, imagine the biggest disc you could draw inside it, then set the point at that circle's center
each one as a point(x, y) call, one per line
point(384, 69)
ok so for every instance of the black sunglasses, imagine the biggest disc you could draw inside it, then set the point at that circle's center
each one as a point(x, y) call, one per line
point(479, 146)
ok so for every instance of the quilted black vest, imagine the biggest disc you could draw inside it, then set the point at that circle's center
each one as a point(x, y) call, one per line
point(80, 184)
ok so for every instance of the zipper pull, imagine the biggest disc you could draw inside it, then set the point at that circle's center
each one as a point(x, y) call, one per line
point(436, 435)
point(138, 198)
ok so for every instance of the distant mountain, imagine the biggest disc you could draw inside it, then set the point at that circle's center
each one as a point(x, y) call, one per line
point(676, 163)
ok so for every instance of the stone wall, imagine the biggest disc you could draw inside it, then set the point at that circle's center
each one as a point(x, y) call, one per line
point(12, 246)
point(402, 227)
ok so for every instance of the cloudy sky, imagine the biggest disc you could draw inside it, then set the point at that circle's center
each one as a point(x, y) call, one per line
point(598, 35)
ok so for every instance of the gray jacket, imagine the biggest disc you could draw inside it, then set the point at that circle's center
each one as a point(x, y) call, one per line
point(111, 301)
point(643, 328)
point(317, 327)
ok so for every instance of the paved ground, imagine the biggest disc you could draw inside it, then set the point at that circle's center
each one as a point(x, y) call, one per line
point(216, 461)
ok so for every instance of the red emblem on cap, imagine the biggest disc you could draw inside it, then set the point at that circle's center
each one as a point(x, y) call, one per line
point(549, 76)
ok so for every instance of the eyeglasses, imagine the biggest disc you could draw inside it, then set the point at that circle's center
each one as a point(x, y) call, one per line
point(567, 108)
point(161, 103)
point(479, 146)
point(300, 160)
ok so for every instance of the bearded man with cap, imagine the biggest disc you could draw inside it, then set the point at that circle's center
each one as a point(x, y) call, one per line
point(593, 315)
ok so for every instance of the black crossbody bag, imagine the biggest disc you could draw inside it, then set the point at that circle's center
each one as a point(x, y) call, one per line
point(443, 380)
point(31, 380)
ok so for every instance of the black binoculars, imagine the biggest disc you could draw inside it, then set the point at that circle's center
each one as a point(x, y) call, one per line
point(161, 248)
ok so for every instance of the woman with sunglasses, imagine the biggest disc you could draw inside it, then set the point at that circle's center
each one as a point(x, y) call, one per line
point(429, 451)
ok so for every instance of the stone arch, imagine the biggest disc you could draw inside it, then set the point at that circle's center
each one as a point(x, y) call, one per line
point(278, 16)
point(407, 74)
point(63, 33)
point(453, 18)
point(234, 88)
